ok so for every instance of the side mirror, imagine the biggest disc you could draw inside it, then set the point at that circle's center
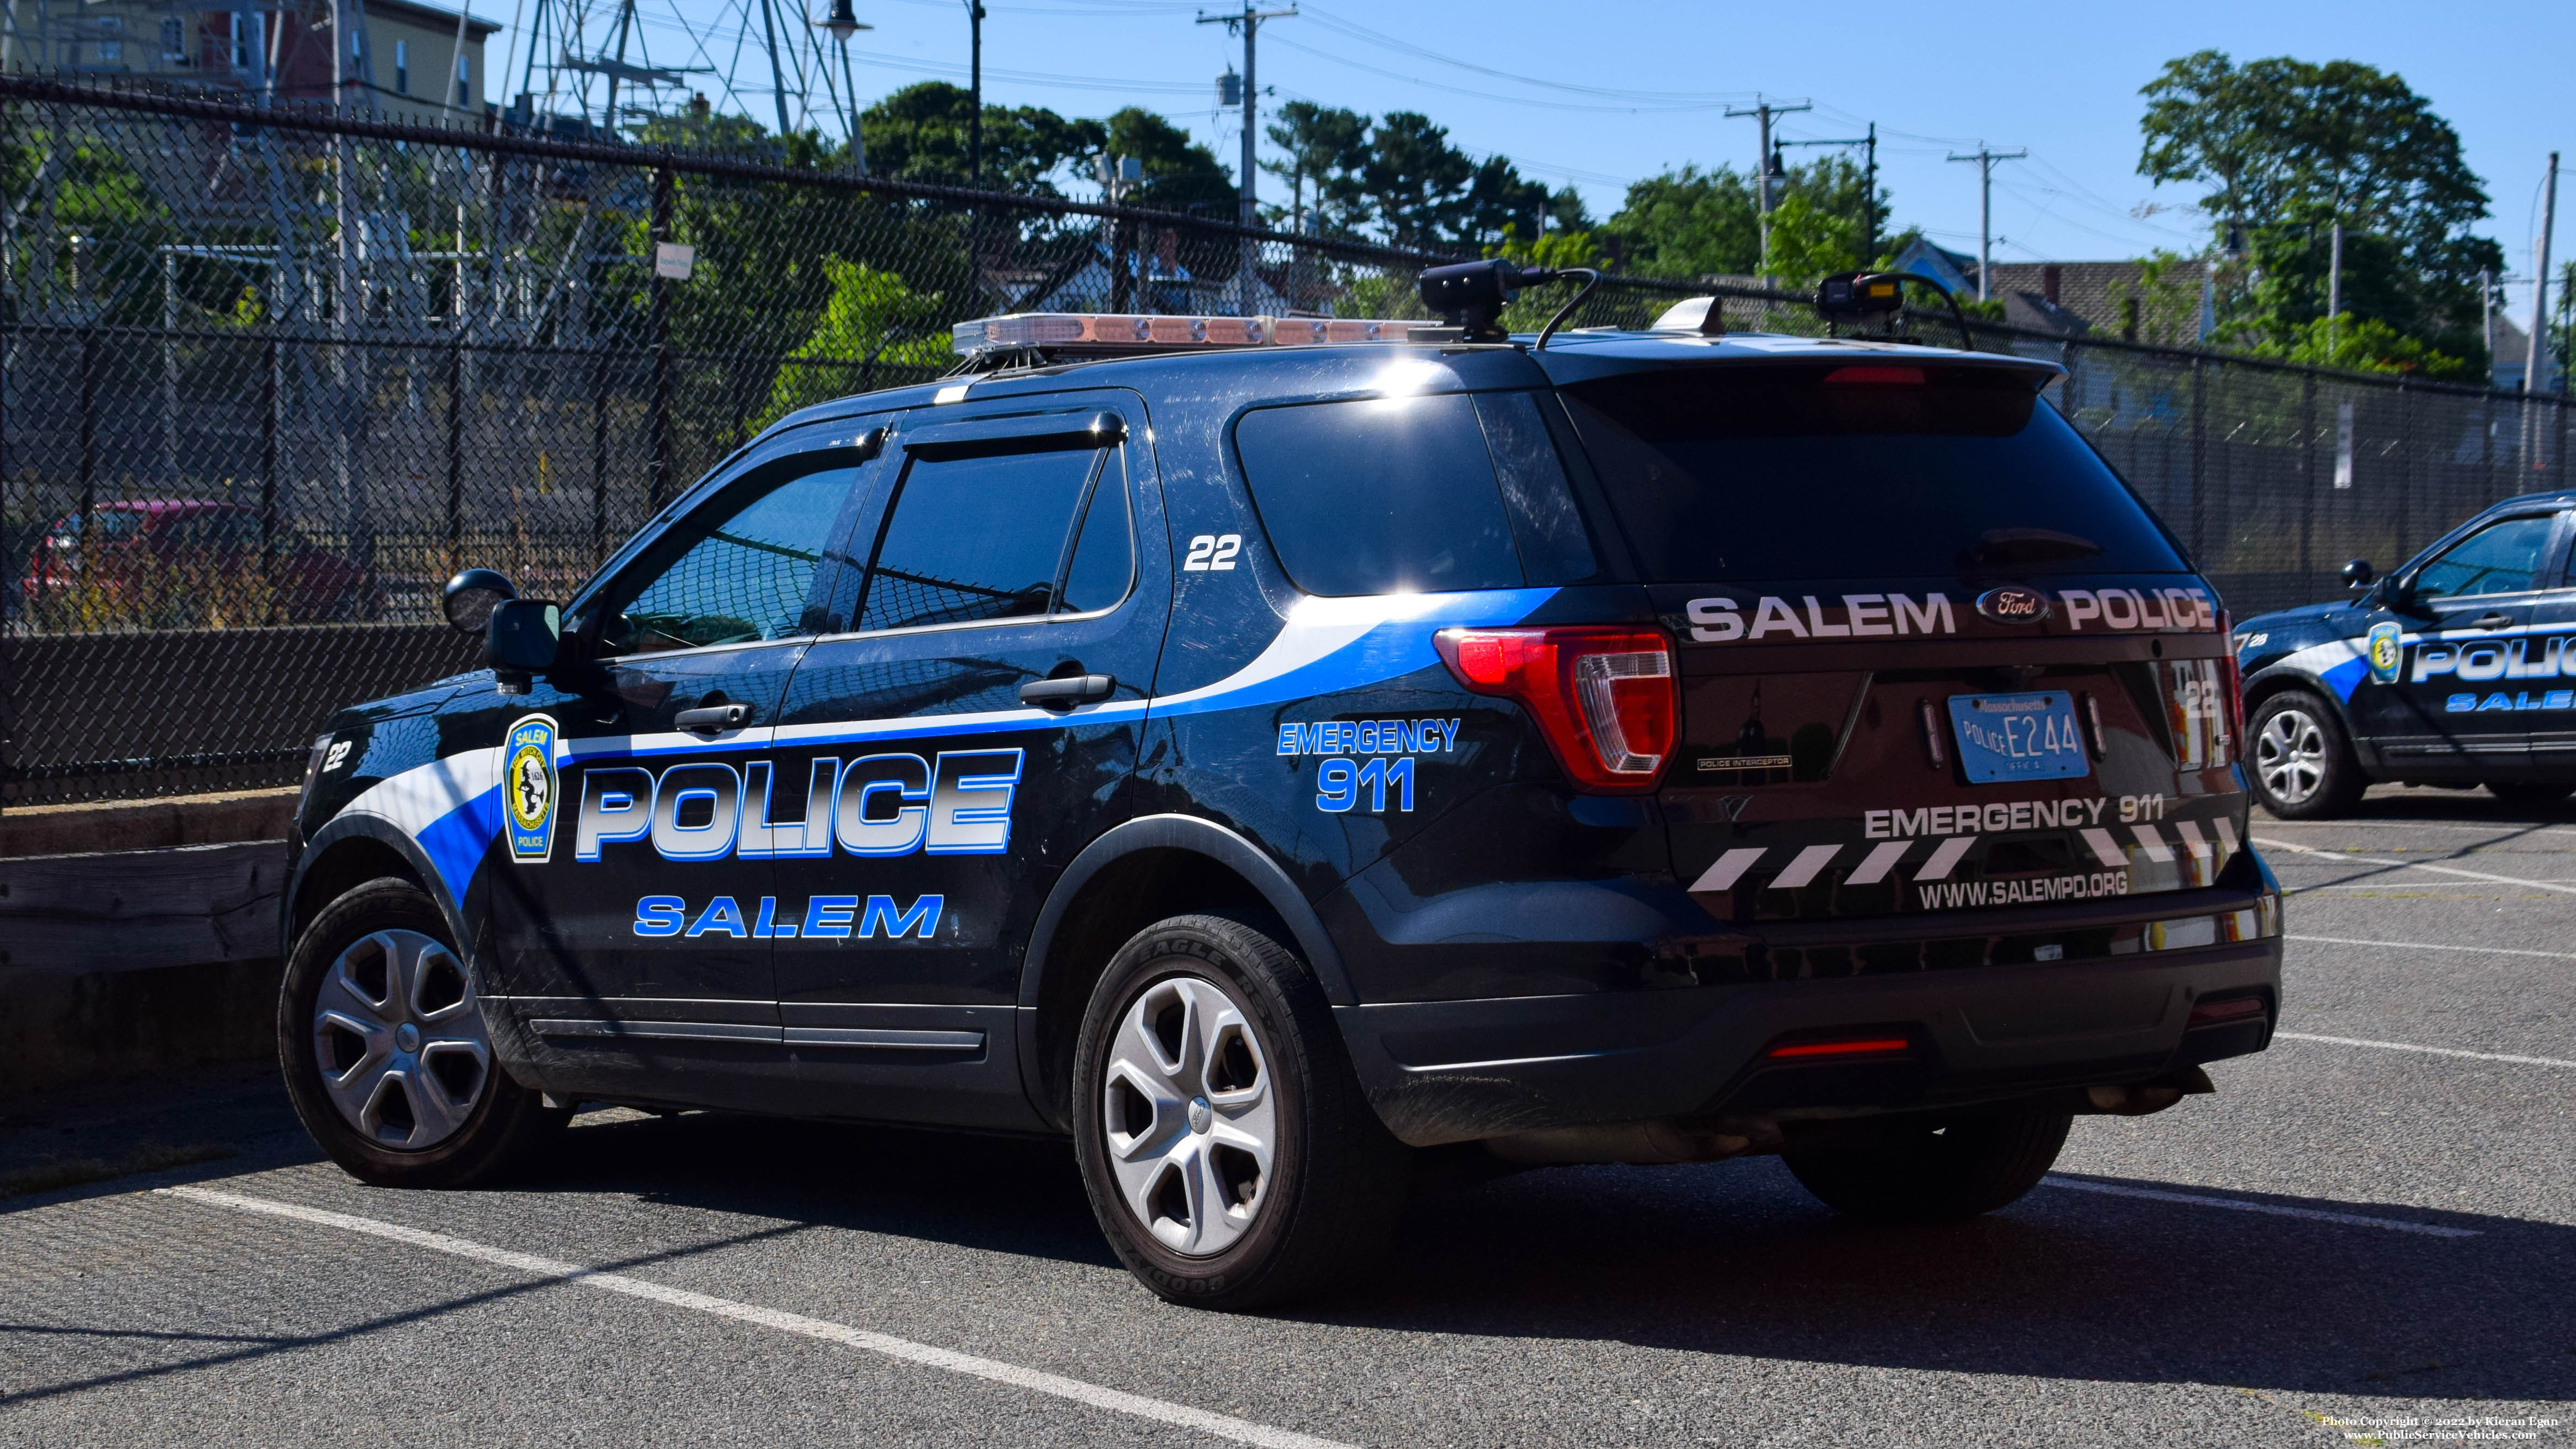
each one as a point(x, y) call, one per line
point(2358, 574)
point(521, 639)
point(470, 597)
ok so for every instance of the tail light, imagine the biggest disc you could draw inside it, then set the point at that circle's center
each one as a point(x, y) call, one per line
point(2231, 677)
point(1604, 698)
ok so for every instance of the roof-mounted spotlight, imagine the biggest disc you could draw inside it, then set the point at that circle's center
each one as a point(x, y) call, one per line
point(1856, 297)
point(1470, 296)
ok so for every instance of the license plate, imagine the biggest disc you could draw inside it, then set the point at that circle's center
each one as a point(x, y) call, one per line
point(2018, 736)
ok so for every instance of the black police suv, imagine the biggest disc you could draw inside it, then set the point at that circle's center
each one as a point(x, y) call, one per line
point(1276, 761)
point(2446, 672)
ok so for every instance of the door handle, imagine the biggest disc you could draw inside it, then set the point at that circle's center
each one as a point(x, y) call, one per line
point(713, 718)
point(1064, 694)
point(2493, 621)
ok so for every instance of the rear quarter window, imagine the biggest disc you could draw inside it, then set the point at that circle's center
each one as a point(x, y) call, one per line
point(1416, 494)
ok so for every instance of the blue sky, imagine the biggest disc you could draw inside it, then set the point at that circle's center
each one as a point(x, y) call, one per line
point(1604, 91)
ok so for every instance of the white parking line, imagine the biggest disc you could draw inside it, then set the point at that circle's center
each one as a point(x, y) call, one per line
point(2501, 827)
point(1222, 1426)
point(2542, 885)
point(2401, 1046)
point(2351, 1220)
point(2431, 946)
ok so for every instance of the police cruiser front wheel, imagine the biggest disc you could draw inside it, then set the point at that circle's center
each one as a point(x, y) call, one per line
point(1224, 1142)
point(2302, 765)
point(387, 1058)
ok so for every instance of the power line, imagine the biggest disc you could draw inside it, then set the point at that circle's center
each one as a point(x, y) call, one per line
point(1414, 80)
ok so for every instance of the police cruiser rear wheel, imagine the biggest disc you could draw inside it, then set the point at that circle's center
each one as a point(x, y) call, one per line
point(1936, 1169)
point(1223, 1139)
point(387, 1058)
point(2303, 767)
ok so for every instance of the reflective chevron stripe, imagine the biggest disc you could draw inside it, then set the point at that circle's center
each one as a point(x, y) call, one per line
point(1803, 868)
point(1807, 863)
point(2105, 849)
point(1874, 866)
point(1721, 876)
point(1938, 867)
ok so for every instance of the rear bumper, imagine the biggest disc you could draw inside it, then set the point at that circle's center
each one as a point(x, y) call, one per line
point(1452, 1071)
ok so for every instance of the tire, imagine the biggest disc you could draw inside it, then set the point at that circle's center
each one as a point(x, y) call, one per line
point(1207, 1045)
point(1938, 1169)
point(2301, 764)
point(386, 1054)
point(2529, 794)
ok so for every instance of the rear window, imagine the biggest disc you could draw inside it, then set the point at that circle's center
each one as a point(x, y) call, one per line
point(1854, 471)
point(1389, 495)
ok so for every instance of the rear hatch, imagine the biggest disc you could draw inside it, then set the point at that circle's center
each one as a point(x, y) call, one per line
point(1935, 656)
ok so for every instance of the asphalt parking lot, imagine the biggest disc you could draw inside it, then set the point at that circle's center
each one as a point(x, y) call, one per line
point(2369, 1232)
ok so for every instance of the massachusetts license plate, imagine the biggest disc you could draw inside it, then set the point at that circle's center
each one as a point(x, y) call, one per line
point(2018, 736)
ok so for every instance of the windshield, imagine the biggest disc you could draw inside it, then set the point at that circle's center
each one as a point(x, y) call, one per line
point(1856, 471)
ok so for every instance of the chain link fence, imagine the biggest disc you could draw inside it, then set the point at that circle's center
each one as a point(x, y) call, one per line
point(267, 377)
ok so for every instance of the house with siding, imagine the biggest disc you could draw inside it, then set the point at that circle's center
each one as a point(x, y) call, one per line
point(405, 61)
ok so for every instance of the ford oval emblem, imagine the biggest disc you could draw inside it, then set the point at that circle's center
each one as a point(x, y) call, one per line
point(2013, 604)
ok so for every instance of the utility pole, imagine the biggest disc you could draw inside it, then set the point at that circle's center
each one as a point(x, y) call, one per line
point(1986, 159)
point(975, 90)
point(2486, 318)
point(2334, 282)
point(1868, 188)
point(2532, 376)
point(1763, 169)
point(1248, 25)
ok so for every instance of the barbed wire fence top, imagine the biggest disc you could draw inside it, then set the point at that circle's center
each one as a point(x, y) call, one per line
point(267, 377)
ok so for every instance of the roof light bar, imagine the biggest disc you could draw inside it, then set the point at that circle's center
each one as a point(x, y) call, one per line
point(1112, 333)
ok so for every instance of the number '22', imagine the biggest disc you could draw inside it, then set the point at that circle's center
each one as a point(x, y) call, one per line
point(1339, 783)
point(1212, 551)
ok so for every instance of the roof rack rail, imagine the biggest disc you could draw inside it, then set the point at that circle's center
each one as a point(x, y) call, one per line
point(1122, 334)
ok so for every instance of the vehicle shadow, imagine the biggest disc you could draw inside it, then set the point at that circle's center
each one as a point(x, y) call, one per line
point(1733, 1259)
point(2434, 805)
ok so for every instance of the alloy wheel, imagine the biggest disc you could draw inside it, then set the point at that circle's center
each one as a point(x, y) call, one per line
point(1189, 1116)
point(400, 1040)
point(2290, 756)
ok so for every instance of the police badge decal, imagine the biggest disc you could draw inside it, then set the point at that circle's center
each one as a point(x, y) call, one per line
point(2386, 652)
point(528, 787)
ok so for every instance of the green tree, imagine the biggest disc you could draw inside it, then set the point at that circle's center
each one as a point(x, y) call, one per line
point(1809, 243)
point(923, 133)
point(1180, 174)
point(1694, 223)
point(2362, 344)
point(1415, 181)
point(872, 320)
point(1327, 150)
point(2285, 149)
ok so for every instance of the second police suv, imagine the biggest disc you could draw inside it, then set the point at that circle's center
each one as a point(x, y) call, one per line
point(1279, 752)
point(2453, 671)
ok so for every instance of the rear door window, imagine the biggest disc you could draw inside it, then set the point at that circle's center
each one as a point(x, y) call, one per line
point(1855, 471)
point(1414, 494)
point(1002, 535)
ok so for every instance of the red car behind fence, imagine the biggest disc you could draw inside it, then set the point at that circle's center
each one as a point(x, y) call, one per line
point(187, 563)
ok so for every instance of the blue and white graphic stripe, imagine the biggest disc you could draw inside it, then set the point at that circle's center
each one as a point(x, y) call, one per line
point(1325, 647)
